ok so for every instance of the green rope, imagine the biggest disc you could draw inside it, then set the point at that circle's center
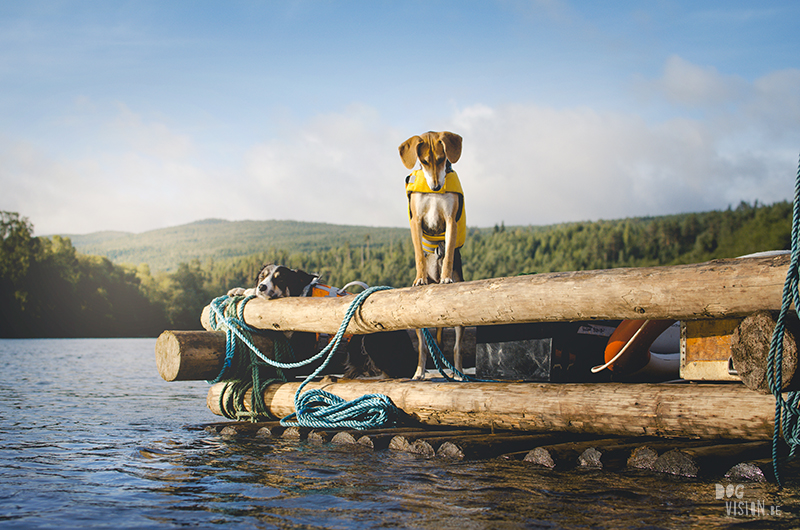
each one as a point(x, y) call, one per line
point(242, 368)
point(787, 411)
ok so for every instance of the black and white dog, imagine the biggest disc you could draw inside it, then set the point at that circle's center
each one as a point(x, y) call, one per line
point(386, 354)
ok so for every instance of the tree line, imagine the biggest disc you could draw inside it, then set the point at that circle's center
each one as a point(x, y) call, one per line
point(48, 289)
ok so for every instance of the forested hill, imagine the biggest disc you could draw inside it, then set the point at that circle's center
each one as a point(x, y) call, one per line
point(55, 287)
point(492, 251)
point(215, 239)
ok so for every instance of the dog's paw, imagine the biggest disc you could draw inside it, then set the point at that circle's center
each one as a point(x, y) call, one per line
point(446, 280)
point(420, 281)
point(236, 291)
point(419, 375)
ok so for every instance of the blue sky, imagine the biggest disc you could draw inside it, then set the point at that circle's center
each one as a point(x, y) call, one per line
point(139, 115)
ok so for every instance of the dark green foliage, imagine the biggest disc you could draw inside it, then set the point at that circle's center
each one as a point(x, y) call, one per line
point(47, 288)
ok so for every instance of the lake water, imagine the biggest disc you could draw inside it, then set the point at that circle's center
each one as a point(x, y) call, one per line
point(91, 437)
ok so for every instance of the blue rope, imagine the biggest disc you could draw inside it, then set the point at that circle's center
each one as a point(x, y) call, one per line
point(316, 408)
point(320, 409)
point(439, 359)
point(787, 412)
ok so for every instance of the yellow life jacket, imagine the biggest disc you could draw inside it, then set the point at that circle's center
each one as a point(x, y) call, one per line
point(416, 182)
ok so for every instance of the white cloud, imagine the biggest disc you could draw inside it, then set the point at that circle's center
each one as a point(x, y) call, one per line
point(522, 163)
point(338, 168)
point(689, 84)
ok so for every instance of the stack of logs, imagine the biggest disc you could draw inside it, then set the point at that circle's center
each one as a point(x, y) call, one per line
point(608, 425)
point(735, 460)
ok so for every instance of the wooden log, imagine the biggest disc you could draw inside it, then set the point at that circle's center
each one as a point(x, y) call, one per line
point(750, 345)
point(272, 430)
point(320, 436)
point(562, 455)
point(761, 470)
point(195, 355)
point(720, 288)
point(645, 456)
point(617, 409)
point(490, 445)
point(709, 460)
point(407, 442)
point(608, 455)
point(199, 355)
point(380, 439)
point(242, 427)
point(295, 433)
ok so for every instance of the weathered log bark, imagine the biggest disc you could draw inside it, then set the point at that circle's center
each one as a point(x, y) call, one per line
point(722, 288)
point(750, 345)
point(618, 409)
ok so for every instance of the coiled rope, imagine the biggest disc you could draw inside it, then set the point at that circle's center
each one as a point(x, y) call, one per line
point(787, 411)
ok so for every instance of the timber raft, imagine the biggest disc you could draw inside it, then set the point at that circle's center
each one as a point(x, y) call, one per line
point(704, 422)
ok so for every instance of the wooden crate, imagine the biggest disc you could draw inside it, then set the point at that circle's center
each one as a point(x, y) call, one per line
point(706, 349)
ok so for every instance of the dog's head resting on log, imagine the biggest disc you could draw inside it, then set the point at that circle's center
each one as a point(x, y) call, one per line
point(277, 281)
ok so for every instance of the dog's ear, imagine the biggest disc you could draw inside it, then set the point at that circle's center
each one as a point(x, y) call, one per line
point(264, 272)
point(452, 145)
point(304, 277)
point(408, 151)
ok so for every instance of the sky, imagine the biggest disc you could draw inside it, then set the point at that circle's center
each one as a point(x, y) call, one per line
point(140, 115)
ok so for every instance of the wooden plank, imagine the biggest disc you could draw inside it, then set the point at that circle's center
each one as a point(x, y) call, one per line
point(715, 289)
point(618, 409)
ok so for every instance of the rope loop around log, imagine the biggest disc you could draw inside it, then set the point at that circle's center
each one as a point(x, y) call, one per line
point(315, 408)
point(787, 411)
point(320, 409)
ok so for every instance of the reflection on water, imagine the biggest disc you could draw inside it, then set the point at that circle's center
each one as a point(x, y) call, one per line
point(91, 436)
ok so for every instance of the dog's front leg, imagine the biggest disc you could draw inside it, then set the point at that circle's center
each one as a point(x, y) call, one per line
point(419, 375)
point(458, 362)
point(416, 241)
point(449, 248)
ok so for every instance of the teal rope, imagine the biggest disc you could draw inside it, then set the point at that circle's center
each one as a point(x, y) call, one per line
point(439, 360)
point(787, 412)
point(315, 408)
point(320, 409)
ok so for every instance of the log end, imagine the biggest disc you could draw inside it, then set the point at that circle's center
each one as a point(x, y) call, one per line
point(168, 356)
point(750, 345)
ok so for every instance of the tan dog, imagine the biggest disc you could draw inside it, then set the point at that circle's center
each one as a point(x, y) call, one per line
point(437, 218)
